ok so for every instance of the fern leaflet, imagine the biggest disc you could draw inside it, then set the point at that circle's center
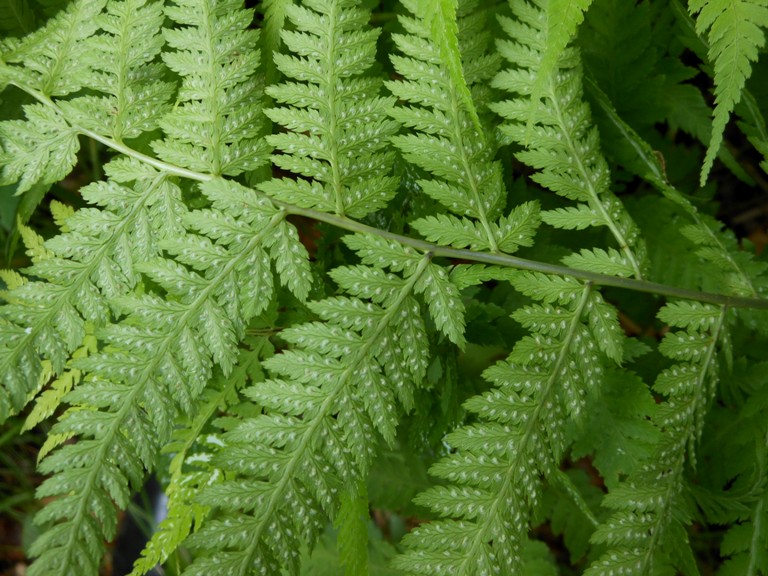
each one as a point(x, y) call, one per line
point(562, 143)
point(215, 124)
point(736, 32)
point(646, 532)
point(447, 142)
point(337, 125)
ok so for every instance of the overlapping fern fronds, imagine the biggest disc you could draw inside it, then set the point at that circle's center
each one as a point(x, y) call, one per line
point(153, 321)
point(447, 143)
point(519, 434)
point(159, 358)
point(95, 258)
point(560, 141)
point(215, 124)
point(343, 381)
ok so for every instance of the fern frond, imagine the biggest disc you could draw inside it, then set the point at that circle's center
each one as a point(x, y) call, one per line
point(275, 12)
point(343, 379)
point(215, 124)
point(447, 139)
point(754, 127)
point(563, 18)
point(40, 150)
point(159, 359)
point(123, 68)
point(439, 17)
point(736, 270)
point(337, 124)
point(646, 533)
point(54, 59)
point(94, 261)
point(191, 469)
point(736, 33)
point(559, 139)
point(494, 475)
point(745, 544)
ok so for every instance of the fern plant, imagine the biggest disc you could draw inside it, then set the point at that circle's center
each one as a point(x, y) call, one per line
point(304, 252)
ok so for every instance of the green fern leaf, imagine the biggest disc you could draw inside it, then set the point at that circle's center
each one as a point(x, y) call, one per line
point(337, 122)
point(54, 59)
point(439, 16)
point(563, 18)
point(632, 438)
point(645, 534)
point(494, 480)
point(134, 382)
point(736, 33)
point(190, 468)
point(556, 133)
point(449, 141)
point(94, 261)
point(274, 21)
point(39, 150)
point(124, 71)
point(510, 232)
point(215, 126)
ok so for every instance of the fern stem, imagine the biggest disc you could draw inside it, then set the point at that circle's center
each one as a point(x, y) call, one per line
point(656, 177)
point(114, 144)
point(533, 265)
point(505, 260)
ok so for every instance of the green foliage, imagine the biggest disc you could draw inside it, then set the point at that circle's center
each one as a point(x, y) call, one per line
point(735, 34)
point(290, 289)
